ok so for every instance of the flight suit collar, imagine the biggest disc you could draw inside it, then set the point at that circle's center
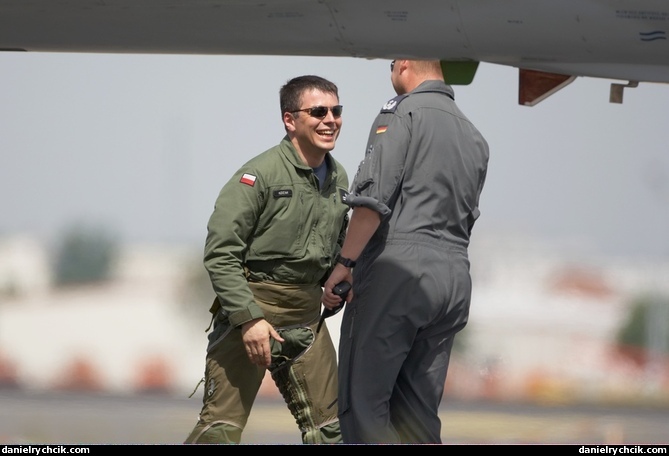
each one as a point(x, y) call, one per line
point(435, 86)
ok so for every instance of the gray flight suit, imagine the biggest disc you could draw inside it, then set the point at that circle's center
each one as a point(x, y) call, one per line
point(424, 169)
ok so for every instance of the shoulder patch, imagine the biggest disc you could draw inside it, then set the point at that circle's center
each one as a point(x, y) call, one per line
point(391, 105)
point(248, 179)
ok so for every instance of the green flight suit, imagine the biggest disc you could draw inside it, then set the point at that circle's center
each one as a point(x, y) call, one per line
point(272, 239)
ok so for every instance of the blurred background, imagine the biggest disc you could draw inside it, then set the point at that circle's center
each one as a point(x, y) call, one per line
point(109, 168)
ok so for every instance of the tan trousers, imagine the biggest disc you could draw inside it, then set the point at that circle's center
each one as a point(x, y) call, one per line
point(304, 369)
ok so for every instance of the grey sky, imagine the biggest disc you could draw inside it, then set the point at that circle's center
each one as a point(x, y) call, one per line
point(142, 144)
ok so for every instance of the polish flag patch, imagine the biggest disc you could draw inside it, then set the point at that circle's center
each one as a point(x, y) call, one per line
point(248, 179)
point(381, 129)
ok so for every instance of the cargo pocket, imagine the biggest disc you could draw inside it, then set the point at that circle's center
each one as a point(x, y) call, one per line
point(345, 359)
point(296, 342)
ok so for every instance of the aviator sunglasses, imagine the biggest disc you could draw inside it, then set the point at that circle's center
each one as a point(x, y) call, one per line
point(322, 111)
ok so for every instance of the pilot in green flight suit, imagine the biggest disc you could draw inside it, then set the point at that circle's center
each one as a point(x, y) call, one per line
point(276, 228)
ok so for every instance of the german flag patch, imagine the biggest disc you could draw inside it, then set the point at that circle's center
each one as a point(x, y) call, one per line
point(381, 129)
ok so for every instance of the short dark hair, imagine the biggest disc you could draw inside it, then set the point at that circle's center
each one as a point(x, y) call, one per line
point(290, 95)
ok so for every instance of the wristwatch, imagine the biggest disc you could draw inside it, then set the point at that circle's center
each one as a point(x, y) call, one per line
point(347, 262)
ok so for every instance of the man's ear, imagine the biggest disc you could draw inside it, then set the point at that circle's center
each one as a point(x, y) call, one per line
point(289, 121)
point(403, 64)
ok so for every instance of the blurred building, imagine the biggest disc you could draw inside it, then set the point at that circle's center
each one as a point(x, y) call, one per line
point(543, 324)
point(24, 267)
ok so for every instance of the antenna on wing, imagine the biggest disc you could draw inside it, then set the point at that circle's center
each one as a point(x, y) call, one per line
point(616, 95)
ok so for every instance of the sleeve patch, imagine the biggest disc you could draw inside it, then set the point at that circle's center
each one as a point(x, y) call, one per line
point(391, 105)
point(248, 179)
point(381, 129)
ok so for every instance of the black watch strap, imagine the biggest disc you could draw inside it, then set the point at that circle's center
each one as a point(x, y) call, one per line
point(349, 263)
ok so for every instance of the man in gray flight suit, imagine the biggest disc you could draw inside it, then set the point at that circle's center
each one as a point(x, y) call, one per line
point(415, 199)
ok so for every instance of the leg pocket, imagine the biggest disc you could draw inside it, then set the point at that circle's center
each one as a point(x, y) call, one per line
point(296, 342)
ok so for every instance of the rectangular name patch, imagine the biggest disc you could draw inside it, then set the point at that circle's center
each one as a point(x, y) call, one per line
point(282, 193)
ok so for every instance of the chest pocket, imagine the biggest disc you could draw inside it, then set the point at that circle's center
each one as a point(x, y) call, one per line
point(280, 232)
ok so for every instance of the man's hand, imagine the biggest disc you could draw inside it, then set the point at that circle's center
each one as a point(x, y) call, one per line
point(339, 273)
point(255, 335)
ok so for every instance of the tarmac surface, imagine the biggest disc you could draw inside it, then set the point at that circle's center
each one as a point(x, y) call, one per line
point(81, 418)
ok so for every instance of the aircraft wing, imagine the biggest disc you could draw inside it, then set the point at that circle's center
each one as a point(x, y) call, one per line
point(550, 41)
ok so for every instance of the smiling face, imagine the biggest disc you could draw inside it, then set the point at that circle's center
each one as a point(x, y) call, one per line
point(313, 137)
